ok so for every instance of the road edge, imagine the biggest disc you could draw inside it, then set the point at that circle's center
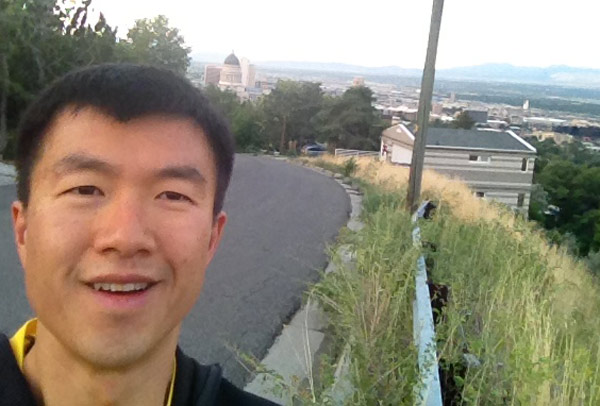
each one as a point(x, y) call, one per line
point(293, 355)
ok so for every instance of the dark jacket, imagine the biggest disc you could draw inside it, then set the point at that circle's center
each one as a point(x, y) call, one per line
point(195, 384)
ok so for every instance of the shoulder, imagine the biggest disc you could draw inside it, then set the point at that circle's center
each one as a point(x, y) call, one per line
point(197, 384)
point(14, 390)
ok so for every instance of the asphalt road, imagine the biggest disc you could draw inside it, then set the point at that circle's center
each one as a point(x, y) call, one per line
point(281, 217)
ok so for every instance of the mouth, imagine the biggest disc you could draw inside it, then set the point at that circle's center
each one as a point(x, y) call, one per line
point(122, 293)
point(120, 288)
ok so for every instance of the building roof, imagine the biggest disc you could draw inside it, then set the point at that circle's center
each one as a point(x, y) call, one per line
point(399, 133)
point(477, 139)
point(232, 60)
point(465, 139)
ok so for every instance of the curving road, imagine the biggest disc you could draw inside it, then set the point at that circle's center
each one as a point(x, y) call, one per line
point(281, 218)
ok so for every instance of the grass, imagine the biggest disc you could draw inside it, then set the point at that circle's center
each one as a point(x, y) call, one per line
point(526, 310)
point(366, 306)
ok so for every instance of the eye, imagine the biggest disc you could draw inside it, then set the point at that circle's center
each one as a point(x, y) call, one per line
point(174, 196)
point(86, 190)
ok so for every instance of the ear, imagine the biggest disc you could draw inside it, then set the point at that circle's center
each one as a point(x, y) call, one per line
point(19, 218)
point(216, 233)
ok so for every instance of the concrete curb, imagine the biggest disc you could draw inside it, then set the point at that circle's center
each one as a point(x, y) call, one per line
point(294, 353)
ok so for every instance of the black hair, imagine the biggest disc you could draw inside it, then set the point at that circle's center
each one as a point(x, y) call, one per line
point(124, 92)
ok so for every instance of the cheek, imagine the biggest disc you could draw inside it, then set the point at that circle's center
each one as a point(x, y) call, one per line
point(186, 243)
point(56, 235)
point(54, 245)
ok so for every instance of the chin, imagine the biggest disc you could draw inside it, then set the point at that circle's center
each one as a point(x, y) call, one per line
point(114, 354)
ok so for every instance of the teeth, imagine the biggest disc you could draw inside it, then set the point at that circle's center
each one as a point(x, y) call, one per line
point(116, 287)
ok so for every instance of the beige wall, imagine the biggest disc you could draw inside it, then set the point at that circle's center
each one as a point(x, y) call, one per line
point(500, 177)
point(497, 174)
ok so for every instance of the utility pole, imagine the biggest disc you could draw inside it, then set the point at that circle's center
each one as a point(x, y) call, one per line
point(418, 155)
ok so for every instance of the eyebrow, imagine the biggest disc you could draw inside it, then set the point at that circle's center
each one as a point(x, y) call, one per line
point(183, 172)
point(81, 162)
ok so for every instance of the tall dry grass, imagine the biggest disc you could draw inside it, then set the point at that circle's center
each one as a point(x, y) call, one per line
point(527, 310)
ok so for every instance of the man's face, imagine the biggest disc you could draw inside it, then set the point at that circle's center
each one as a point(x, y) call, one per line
point(118, 232)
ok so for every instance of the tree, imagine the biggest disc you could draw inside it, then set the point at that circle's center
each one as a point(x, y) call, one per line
point(290, 111)
point(224, 101)
point(593, 262)
point(351, 121)
point(41, 40)
point(464, 121)
point(575, 189)
point(152, 41)
point(247, 119)
point(248, 129)
point(538, 203)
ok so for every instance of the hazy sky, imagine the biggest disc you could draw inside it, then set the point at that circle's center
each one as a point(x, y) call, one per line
point(379, 32)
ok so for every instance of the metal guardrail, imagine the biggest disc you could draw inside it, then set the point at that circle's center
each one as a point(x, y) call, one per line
point(354, 152)
point(428, 390)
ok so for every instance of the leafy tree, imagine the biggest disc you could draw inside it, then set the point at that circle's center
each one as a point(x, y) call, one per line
point(593, 262)
point(438, 123)
point(558, 180)
point(248, 128)
point(152, 41)
point(225, 101)
point(463, 120)
point(41, 40)
point(290, 111)
point(570, 176)
point(351, 121)
point(247, 119)
point(538, 203)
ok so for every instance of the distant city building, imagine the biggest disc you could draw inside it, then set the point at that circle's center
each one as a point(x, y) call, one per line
point(437, 108)
point(558, 138)
point(526, 105)
point(212, 75)
point(248, 73)
point(516, 119)
point(231, 73)
point(237, 76)
point(497, 124)
point(409, 114)
point(496, 165)
point(479, 116)
point(452, 97)
point(358, 81)
point(543, 123)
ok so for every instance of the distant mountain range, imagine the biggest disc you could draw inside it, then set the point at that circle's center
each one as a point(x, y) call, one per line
point(497, 72)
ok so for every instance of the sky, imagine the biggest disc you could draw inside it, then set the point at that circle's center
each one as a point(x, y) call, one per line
point(379, 32)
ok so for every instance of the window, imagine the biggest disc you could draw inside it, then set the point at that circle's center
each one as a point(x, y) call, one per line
point(524, 165)
point(480, 158)
point(481, 195)
point(520, 199)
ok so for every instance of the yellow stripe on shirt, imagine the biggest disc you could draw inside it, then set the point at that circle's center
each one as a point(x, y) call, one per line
point(22, 341)
point(24, 338)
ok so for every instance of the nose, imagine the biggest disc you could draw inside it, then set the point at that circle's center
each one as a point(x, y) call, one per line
point(122, 227)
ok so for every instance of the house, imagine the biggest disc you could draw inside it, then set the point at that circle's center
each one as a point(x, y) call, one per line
point(479, 116)
point(496, 165)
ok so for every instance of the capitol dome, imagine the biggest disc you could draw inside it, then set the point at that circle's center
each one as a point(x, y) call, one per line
point(232, 60)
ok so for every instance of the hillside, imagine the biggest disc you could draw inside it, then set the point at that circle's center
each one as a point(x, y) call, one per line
point(520, 325)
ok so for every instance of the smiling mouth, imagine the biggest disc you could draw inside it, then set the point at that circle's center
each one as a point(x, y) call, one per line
point(123, 288)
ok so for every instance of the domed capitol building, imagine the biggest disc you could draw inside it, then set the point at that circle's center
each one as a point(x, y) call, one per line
point(235, 75)
point(231, 72)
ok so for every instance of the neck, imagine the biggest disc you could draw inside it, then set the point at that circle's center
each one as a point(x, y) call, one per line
point(59, 377)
